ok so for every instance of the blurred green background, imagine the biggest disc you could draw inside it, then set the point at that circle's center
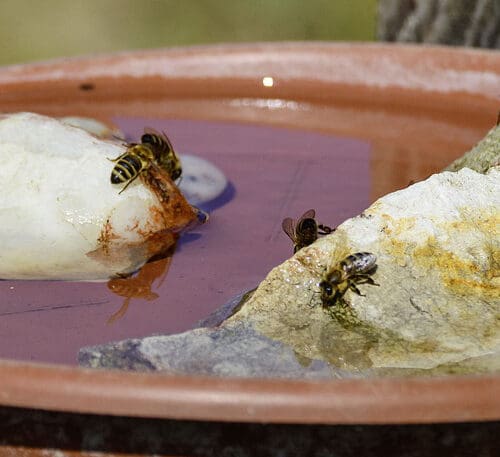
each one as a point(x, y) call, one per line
point(37, 30)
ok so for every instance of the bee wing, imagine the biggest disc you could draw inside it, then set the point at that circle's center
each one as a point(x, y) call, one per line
point(288, 226)
point(309, 214)
point(162, 135)
point(167, 140)
point(152, 131)
point(367, 262)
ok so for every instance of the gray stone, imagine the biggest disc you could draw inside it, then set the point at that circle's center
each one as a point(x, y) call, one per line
point(236, 350)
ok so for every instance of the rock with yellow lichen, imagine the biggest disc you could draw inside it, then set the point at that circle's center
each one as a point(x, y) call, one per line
point(438, 302)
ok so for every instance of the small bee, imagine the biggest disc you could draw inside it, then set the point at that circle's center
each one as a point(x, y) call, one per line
point(354, 269)
point(134, 161)
point(164, 152)
point(305, 231)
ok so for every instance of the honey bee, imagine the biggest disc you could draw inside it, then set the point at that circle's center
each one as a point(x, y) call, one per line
point(305, 231)
point(134, 161)
point(354, 269)
point(165, 155)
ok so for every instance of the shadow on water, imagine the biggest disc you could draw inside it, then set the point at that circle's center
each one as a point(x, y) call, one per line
point(225, 197)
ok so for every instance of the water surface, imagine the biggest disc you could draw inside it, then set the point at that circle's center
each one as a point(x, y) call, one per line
point(273, 173)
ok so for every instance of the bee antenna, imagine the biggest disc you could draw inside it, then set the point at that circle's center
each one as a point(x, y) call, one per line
point(119, 138)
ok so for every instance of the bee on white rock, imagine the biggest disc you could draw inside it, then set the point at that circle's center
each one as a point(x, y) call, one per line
point(61, 218)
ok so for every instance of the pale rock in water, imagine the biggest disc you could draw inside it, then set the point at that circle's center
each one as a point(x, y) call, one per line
point(436, 308)
point(438, 301)
point(60, 216)
point(201, 180)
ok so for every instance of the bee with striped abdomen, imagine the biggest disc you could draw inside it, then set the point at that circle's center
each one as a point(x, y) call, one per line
point(305, 231)
point(354, 269)
point(165, 155)
point(134, 161)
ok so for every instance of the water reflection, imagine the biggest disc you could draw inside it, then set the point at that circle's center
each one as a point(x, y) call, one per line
point(140, 285)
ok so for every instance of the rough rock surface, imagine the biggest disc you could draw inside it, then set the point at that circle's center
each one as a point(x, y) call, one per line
point(436, 309)
point(483, 156)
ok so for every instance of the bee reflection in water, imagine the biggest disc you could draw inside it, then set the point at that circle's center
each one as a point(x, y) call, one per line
point(140, 285)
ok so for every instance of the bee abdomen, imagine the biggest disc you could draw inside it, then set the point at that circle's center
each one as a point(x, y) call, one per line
point(125, 169)
point(360, 262)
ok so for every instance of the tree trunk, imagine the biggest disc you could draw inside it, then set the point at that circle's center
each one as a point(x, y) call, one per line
point(453, 22)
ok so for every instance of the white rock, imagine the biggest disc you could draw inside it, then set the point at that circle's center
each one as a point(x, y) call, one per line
point(201, 180)
point(95, 127)
point(61, 218)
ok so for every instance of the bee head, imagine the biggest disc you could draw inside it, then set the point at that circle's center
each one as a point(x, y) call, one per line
point(326, 288)
point(147, 138)
point(307, 224)
point(176, 173)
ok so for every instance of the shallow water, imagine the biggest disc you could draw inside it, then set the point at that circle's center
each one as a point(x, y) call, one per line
point(272, 172)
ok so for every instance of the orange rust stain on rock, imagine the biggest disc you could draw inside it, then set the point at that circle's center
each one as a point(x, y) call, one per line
point(156, 219)
point(134, 226)
point(168, 217)
point(174, 212)
point(106, 237)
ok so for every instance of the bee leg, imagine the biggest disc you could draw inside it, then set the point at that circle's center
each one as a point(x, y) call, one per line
point(343, 302)
point(366, 279)
point(118, 158)
point(128, 184)
point(371, 281)
point(330, 302)
point(338, 299)
point(324, 229)
point(353, 287)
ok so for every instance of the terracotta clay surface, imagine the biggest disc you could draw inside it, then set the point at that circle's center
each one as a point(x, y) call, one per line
point(371, 401)
point(419, 108)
